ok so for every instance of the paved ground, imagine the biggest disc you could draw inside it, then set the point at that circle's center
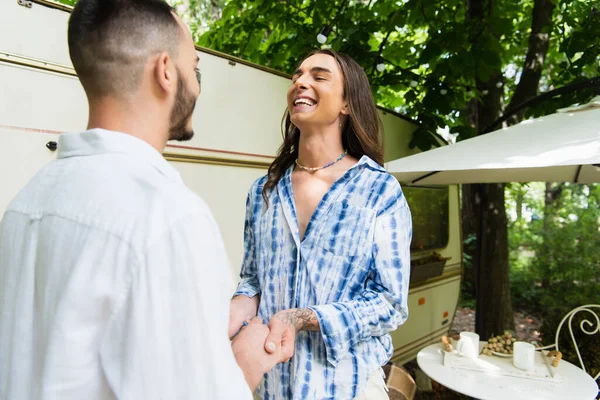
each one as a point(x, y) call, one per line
point(527, 326)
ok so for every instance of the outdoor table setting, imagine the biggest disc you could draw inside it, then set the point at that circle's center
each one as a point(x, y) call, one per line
point(504, 369)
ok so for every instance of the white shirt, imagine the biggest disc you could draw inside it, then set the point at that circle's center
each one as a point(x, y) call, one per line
point(113, 281)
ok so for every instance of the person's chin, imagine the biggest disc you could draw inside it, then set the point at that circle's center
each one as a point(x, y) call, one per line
point(302, 118)
point(181, 135)
point(186, 135)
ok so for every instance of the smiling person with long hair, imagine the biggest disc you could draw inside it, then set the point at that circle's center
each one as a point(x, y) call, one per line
point(327, 238)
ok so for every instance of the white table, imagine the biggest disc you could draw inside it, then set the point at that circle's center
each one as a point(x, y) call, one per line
point(574, 385)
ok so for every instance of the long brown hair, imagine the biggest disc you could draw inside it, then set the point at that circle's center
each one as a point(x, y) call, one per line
point(361, 134)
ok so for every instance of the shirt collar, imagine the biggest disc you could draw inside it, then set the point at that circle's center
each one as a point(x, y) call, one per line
point(368, 162)
point(101, 141)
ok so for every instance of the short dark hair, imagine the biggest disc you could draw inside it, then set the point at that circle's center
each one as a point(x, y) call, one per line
point(110, 41)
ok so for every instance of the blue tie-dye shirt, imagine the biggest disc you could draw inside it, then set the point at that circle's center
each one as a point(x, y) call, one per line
point(352, 269)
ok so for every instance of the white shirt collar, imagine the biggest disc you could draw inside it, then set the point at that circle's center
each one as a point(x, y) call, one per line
point(101, 141)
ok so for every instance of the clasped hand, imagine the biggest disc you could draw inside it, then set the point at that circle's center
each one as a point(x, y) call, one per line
point(279, 336)
point(257, 347)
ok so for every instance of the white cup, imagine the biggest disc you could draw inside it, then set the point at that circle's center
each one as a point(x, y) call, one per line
point(524, 356)
point(468, 345)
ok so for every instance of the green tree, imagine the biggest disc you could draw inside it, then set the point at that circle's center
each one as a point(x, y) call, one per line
point(557, 246)
point(198, 14)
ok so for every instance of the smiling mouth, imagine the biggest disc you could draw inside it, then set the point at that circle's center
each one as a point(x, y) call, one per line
point(304, 102)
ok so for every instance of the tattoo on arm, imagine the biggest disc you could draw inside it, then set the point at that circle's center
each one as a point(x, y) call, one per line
point(301, 319)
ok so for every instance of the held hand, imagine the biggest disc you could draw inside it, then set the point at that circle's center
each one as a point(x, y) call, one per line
point(242, 308)
point(284, 327)
point(249, 352)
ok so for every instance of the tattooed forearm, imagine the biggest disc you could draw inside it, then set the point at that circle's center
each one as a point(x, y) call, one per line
point(307, 320)
point(301, 319)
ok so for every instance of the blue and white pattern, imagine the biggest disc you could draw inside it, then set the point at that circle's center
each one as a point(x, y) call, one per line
point(352, 269)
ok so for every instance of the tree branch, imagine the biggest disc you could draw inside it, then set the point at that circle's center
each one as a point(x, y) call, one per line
point(518, 109)
point(539, 40)
point(295, 7)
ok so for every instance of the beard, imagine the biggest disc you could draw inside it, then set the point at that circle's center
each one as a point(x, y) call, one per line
point(181, 113)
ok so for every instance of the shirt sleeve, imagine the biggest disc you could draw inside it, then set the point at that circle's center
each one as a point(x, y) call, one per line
point(382, 305)
point(168, 338)
point(248, 285)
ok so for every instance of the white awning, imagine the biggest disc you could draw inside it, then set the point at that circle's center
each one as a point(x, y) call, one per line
point(561, 147)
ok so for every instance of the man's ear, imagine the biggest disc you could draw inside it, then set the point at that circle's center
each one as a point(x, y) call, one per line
point(163, 72)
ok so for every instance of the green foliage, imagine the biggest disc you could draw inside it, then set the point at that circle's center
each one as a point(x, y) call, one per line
point(555, 247)
point(524, 287)
point(467, 300)
point(434, 53)
point(555, 257)
point(197, 14)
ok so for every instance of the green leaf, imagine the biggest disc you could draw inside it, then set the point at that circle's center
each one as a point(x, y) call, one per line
point(431, 52)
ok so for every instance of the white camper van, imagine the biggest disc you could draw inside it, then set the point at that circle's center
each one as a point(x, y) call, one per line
point(238, 130)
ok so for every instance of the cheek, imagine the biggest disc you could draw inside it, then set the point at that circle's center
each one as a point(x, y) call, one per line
point(289, 97)
point(331, 104)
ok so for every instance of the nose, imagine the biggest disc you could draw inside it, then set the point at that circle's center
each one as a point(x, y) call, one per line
point(301, 83)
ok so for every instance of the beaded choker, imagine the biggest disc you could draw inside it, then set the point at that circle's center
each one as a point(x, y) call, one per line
point(309, 169)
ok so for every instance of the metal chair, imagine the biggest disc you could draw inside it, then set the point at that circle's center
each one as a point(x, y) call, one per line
point(589, 326)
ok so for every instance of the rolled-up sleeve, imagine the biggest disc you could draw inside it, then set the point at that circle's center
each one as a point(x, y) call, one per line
point(248, 285)
point(382, 305)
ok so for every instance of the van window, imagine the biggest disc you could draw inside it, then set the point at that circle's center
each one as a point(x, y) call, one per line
point(429, 208)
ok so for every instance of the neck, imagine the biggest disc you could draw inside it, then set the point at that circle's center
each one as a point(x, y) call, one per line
point(319, 147)
point(129, 117)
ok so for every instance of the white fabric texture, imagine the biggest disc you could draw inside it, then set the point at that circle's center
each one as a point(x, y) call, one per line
point(376, 388)
point(113, 281)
